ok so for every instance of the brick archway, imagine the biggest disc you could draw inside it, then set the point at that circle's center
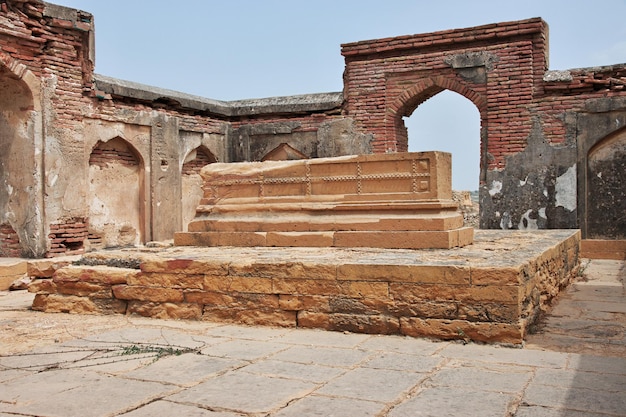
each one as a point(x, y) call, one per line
point(407, 101)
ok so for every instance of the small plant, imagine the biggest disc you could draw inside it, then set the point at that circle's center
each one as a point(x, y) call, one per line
point(158, 351)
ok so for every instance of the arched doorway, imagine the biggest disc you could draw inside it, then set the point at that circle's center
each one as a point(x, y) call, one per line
point(449, 122)
point(192, 181)
point(116, 208)
point(21, 203)
point(605, 214)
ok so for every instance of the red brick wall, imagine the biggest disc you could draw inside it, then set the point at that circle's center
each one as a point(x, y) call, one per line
point(9, 242)
point(195, 165)
point(386, 79)
point(67, 237)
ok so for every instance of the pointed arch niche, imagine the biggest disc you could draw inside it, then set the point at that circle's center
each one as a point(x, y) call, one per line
point(605, 188)
point(191, 181)
point(116, 186)
point(21, 188)
point(447, 121)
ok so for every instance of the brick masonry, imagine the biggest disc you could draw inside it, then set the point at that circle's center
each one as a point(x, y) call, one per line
point(539, 126)
point(491, 291)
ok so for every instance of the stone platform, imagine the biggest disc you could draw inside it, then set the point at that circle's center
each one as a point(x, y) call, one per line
point(490, 291)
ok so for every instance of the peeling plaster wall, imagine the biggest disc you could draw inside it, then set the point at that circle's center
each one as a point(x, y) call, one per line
point(20, 153)
point(535, 190)
point(191, 144)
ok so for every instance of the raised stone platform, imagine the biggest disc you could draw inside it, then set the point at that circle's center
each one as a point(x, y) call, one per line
point(490, 291)
point(400, 200)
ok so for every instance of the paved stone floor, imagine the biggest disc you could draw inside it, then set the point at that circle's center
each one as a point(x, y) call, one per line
point(69, 365)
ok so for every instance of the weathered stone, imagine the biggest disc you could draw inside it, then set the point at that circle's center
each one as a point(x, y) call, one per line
point(84, 289)
point(45, 268)
point(157, 295)
point(96, 274)
point(410, 292)
point(57, 303)
point(289, 269)
point(167, 280)
point(261, 317)
point(314, 303)
point(233, 299)
point(42, 286)
point(462, 330)
point(185, 266)
point(426, 274)
point(299, 286)
point(352, 201)
point(364, 323)
point(165, 310)
point(238, 284)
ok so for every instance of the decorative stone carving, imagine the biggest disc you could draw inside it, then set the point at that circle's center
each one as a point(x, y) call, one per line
point(399, 200)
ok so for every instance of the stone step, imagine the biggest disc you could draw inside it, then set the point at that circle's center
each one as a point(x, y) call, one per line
point(423, 239)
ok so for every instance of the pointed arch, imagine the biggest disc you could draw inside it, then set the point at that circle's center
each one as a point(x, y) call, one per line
point(284, 152)
point(21, 158)
point(605, 188)
point(407, 101)
point(191, 182)
point(116, 188)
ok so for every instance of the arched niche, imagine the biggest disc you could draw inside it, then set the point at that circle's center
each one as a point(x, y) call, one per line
point(284, 152)
point(605, 196)
point(21, 195)
point(116, 190)
point(191, 181)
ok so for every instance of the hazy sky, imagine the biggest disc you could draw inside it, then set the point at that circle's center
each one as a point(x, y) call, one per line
point(237, 49)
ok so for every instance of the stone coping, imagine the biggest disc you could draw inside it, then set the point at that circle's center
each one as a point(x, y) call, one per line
point(271, 105)
point(491, 248)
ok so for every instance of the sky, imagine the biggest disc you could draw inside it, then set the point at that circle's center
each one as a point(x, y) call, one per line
point(239, 49)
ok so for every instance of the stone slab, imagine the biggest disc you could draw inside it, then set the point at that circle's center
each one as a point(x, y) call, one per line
point(10, 270)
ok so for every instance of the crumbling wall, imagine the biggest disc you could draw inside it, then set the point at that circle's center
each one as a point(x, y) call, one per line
point(537, 126)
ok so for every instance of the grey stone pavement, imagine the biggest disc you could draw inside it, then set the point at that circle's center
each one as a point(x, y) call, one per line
point(69, 365)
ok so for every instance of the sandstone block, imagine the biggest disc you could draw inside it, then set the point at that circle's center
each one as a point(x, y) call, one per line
point(313, 303)
point(45, 268)
point(258, 317)
point(308, 239)
point(96, 274)
point(238, 284)
point(422, 239)
point(233, 300)
point(185, 266)
point(425, 309)
point(58, 303)
point(496, 275)
point(167, 280)
point(84, 289)
point(311, 320)
point(488, 312)
point(286, 269)
point(416, 292)
point(362, 323)
point(427, 274)
point(357, 289)
point(157, 295)
point(176, 311)
point(42, 286)
point(462, 330)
